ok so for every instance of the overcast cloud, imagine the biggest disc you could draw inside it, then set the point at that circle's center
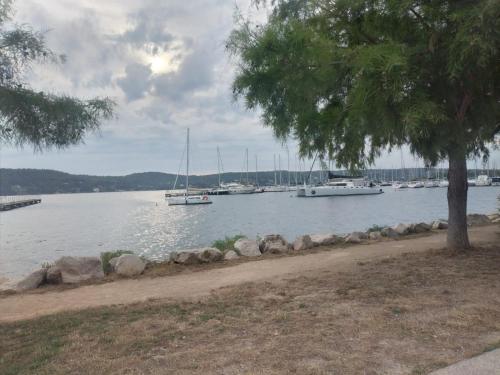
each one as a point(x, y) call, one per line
point(164, 63)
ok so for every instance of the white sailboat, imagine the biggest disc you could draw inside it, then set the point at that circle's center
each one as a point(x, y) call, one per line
point(187, 199)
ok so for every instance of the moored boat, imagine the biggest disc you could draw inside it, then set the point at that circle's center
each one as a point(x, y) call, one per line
point(339, 187)
point(188, 199)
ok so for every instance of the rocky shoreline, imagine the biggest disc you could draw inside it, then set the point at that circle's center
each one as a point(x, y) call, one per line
point(77, 270)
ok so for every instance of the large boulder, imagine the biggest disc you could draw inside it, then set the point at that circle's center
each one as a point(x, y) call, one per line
point(389, 233)
point(186, 257)
point(420, 228)
point(53, 275)
point(478, 219)
point(375, 236)
point(355, 237)
point(247, 248)
point(231, 255)
point(402, 229)
point(273, 244)
point(129, 265)
point(32, 281)
point(303, 243)
point(209, 255)
point(325, 239)
point(440, 224)
point(112, 264)
point(77, 269)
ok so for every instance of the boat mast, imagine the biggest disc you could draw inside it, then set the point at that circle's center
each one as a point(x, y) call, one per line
point(246, 154)
point(288, 165)
point(279, 166)
point(275, 181)
point(256, 172)
point(187, 164)
point(218, 163)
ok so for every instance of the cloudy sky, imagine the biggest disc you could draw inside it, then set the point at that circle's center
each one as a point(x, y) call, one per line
point(164, 63)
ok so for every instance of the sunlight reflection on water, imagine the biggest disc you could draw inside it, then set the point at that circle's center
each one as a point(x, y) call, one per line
point(87, 224)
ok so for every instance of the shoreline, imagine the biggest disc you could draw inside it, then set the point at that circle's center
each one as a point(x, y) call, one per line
point(7, 283)
point(404, 306)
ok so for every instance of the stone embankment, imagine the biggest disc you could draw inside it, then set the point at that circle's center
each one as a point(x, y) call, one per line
point(75, 270)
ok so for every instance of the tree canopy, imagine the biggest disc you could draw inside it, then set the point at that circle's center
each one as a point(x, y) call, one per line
point(38, 118)
point(348, 78)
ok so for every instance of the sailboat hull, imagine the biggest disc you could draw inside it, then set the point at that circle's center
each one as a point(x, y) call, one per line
point(189, 200)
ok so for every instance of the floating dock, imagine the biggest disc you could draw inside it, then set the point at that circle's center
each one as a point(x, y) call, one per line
point(10, 203)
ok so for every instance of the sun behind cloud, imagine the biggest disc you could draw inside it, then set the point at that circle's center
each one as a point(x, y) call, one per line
point(160, 64)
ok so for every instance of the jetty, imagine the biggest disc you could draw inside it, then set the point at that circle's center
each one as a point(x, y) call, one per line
point(8, 203)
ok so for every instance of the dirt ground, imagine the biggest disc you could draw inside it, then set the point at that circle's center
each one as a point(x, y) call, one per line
point(197, 282)
point(403, 313)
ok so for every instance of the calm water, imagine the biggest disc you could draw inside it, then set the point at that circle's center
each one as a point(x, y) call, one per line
point(87, 224)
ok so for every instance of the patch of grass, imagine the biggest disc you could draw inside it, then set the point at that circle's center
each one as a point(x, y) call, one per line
point(108, 255)
point(375, 228)
point(227, 243)
point(47, 265)
point(491, 347)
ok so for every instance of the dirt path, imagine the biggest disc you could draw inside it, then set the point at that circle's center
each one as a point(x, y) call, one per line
point(199, 284)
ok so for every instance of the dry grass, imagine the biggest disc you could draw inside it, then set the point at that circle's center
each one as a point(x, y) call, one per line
point(402, 315)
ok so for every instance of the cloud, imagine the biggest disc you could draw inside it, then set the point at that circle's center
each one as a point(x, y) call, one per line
point(137, 81)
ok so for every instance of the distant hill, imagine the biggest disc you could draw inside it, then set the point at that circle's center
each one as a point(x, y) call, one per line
point(46, 181)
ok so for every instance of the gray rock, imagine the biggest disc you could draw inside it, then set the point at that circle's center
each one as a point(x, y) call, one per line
point(77, 269)
point(325, 239)
point(186, 257)
point(477, 219)
point(273, 244)
point(210, 255)
point(361, 235)
point(389, 233)
point(375, 236)
point(129, 265)
point(247, 248)
point(112, 264)
point(353, 237)
point(32, 281)
point(440, 224)
point(420, 228)
point(303, 243)
point(496, 221)
point(493, 217)
point(402, 229)
point(53, 275)
point(231, 254)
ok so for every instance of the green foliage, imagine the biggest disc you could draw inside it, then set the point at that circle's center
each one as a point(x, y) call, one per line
point(47, 265)
point(108, 255)
point(227, 243)
point(349, 78)
point(375, 228)
point(40, 119)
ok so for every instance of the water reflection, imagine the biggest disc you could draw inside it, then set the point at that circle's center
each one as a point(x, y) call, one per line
point(87, 224)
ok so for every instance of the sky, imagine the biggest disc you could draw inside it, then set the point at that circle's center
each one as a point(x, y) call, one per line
point(164, 63)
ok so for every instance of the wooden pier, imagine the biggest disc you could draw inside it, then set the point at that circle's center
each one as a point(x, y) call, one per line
point(12, 202)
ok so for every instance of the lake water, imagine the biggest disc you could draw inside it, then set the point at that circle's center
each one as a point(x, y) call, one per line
point(88, 224)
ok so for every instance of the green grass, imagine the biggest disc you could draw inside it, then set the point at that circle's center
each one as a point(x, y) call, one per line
point(375, 228)
point(227, 243)
point(108, 255)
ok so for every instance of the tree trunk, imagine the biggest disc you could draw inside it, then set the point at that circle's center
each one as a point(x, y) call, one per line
point(458, 239)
